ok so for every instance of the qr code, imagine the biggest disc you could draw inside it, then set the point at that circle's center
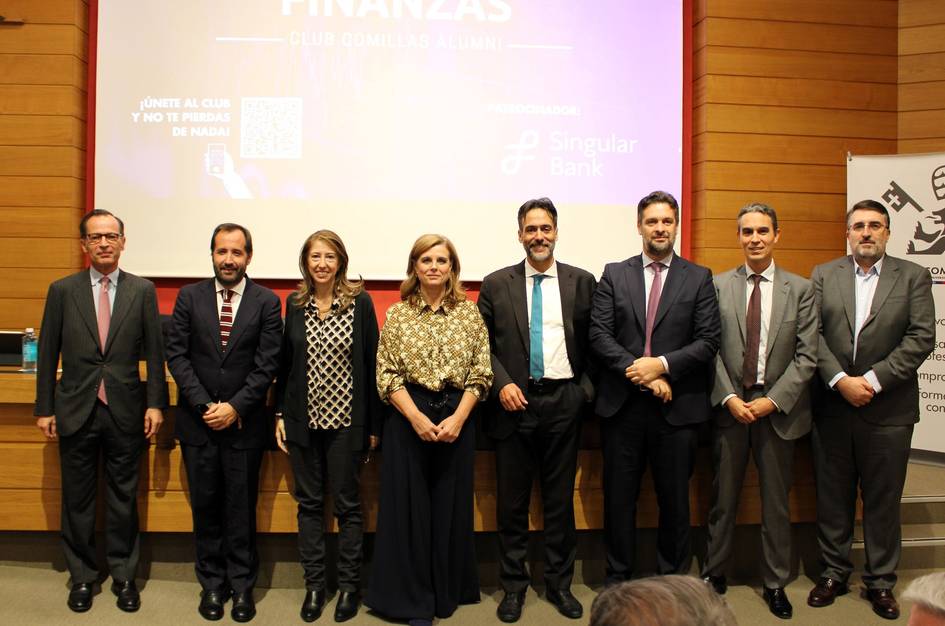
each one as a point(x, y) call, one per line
point(271, 128)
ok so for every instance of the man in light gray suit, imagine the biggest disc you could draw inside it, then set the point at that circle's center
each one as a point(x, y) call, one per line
point(877, 326)
point(101, 321)
point(760, 397)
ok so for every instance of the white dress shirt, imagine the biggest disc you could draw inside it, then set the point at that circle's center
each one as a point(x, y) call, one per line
point(234, 299)
point(865, 290)
point(96, 277)
point(648, 274)
point(553, 346)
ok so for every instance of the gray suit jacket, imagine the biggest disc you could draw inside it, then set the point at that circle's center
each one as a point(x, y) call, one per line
point(897, 336)
point(791, 354)
point(70, 330)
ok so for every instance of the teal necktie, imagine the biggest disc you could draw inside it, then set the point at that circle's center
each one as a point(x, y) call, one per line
point(536, 367)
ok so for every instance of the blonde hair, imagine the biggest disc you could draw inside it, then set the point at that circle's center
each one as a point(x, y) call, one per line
point(410, 288)
point(344, 289)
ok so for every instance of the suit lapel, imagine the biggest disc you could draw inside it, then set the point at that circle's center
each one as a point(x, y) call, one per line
point(671, 289)
point(566, 286)
point(207, 307)
point(779, 296)
point(846, 285)
point(738, 289)
point(887, 279)
point(123, 300)
point(516, 287)
point(86, 307)
point(243, 313)
point(638, 290)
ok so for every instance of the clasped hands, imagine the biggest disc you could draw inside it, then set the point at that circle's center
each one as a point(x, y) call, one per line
point(447, 431)
point(749, 412)
point(221, 415)
point(856, 390)
point(648, 372)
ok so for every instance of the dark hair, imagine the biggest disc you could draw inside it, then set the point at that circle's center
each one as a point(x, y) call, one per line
point(759, 207)
point(83, 224)
point(868, 205)
point(657, 197)
point(228, 227)
point(538, 203)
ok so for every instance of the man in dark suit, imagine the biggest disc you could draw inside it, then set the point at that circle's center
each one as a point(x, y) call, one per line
point(655, 329)
point(761, 398)
point(223, 351)
point(537, 313)
point(877, 326)
point(102, 322)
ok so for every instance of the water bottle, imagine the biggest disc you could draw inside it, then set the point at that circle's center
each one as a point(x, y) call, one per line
point(30, 349)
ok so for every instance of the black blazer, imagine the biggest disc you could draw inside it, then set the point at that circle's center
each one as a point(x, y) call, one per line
point(292, 381)
point(70, 330)
point(686, 331)
point(504, 307)
point(241, 376)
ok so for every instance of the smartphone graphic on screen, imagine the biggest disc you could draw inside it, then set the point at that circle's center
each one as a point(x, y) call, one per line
point(215, 154)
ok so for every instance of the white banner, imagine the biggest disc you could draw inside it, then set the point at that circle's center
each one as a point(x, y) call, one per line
point(912, 187)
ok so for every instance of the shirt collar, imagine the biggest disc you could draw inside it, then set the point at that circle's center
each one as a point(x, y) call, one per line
point(531, 271)
point(767, 274)
point(96, 276)
point(238, 289)
point(877, 266)
point(647, 261)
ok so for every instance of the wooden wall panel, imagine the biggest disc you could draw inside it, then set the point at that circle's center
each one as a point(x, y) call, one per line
point(782, 91)
point(921, 76)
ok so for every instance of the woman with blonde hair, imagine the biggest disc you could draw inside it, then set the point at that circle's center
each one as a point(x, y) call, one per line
point(433, 365)
point(327, 407)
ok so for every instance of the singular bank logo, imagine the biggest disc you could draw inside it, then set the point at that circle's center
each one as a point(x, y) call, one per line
point(516, 154)
point(928, 237)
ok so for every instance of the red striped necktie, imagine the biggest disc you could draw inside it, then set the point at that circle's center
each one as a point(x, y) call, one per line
point(226, 318)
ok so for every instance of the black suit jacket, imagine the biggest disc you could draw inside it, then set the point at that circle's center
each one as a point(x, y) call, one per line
point(686, 331)
point(504, 307)
point(70, 330)
point(292, 381)
point(241, 376)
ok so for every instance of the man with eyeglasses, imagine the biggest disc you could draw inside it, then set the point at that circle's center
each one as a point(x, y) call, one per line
point(877, 326)
point(101, 322)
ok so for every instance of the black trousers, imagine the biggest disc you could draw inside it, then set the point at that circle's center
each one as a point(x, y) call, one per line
point(79, 456)
point(850, 452)
point(545, 444)
point(424, 549)
point(637, 436)
point(224, 486)
point(328, 457)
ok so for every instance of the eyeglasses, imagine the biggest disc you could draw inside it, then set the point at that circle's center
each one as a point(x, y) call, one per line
point(859, 227)
point(98, 237)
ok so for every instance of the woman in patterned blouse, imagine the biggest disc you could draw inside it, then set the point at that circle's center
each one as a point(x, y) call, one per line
point(432, 366)
point(327, 408)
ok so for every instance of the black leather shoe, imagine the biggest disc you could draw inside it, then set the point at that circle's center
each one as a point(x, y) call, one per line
point(566, 603)
point(884, 602)
point(825, 592)
point(129, 600)
point(211, 604)
point(312, 605)
point(80, 597)
point(244, 608)
point(718, 583)
point(778, 603)
point(347, 605)
point(510, 608)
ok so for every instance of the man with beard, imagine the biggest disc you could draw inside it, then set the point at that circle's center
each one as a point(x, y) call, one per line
point(537, 313)
point(223, 351)
point(877, 326)
point(655, 328)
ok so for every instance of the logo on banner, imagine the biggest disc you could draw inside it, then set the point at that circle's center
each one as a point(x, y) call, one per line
point(929, 235)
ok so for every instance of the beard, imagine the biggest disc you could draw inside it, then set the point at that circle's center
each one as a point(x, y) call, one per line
point(655, 249)
point(226, 282)
point(540, 257)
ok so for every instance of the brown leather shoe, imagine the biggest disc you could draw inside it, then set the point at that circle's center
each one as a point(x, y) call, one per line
point(884, 602)
point(825, 592)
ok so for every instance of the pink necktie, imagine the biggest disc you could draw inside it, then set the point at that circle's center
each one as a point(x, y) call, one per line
point(652, 304)
point(104, 318)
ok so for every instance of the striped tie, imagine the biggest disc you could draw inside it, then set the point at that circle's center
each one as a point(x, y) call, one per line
point(226, 318)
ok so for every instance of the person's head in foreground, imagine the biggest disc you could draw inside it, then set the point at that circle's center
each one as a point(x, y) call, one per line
point(927, 595)
point(661, 601)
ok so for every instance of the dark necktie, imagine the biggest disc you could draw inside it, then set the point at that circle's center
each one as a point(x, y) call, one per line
point(753, 335)
point(652, 304)
point(226, 318)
